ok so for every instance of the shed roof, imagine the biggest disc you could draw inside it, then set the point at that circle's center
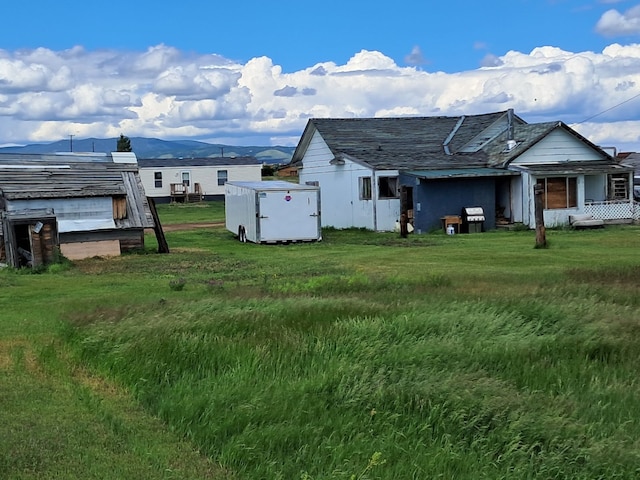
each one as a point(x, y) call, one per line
point(42, 179)
point(29, 177)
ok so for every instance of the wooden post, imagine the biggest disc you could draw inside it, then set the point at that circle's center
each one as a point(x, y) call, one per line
point(163, 246)
point(541, 235)
point(403, 226)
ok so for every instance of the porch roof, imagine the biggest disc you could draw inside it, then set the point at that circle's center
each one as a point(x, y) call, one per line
point(460, 173)
point(573, 168)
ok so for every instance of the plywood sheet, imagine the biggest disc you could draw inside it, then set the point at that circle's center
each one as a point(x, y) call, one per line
point(102, 248)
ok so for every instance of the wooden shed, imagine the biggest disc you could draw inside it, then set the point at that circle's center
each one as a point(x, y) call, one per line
point(82, 204)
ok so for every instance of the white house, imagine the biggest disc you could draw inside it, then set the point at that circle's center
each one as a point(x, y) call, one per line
point(372, 170)
point(182, 179)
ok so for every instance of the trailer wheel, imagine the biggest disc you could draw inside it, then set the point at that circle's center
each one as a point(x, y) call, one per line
point(242, 234)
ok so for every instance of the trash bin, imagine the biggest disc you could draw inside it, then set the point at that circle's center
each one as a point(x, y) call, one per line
point(473, 219)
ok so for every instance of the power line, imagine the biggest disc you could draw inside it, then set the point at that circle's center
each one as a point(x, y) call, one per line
point(608, 109)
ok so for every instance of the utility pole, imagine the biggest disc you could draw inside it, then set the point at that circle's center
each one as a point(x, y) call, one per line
point(71, 143)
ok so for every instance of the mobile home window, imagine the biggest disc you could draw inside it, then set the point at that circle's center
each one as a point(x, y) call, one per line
point(388, 187)
point(186, 179)
point(222, 177)
point(560, 192)
point(157, 178)
point(365, 188)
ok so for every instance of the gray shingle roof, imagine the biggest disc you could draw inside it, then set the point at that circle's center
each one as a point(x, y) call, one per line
point(404, 143)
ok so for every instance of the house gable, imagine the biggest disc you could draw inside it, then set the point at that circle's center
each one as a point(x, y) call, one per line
point(559, 146)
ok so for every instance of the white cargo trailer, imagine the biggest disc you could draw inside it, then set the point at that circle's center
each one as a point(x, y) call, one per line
point(273, 211)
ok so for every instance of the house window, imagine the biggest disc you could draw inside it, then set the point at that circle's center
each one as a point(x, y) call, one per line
point(157, 178)
point(388, 187)
point(222, 177)
point(186, 179)
point(365, 188)
point(559, 192)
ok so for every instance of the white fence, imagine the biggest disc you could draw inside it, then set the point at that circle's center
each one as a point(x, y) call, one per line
point(614, 210)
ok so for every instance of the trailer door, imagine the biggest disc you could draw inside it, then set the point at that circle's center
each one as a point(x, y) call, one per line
point(289, 215)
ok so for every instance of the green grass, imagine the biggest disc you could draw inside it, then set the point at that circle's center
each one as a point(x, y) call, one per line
point(200, 212)
point(361, 356)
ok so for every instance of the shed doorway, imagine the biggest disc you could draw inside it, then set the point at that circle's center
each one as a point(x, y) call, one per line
point(30, 242)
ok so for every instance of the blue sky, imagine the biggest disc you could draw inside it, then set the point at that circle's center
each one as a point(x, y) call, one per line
point(254, 71)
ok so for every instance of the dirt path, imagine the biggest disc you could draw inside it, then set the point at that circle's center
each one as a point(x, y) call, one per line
point(190, 226)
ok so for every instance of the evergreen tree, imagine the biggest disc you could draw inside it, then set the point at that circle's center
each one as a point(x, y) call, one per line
point(124, 144)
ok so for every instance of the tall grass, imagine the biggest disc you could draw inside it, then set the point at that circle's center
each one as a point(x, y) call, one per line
point(365, 356)
point(362, 356)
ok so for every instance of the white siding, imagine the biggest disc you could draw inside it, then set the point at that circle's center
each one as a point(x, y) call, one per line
point(340, 191)
point(206, 176)
point(558, 146)
point(340, 199)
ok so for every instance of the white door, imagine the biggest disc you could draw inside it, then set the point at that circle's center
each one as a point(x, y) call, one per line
point(186, 180)
point(289, 215)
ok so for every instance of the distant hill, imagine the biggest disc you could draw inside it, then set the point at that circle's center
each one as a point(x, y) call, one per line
point(155, 148)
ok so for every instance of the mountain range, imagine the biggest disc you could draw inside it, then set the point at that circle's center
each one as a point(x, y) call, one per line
point(156, 148)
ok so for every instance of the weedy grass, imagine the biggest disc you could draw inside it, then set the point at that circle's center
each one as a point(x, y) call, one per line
point(361, 356)
point(200, 212)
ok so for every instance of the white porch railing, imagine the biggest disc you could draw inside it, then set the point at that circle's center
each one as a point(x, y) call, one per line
point(614, 210)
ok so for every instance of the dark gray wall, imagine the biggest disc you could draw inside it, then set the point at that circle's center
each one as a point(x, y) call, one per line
point(441, 197)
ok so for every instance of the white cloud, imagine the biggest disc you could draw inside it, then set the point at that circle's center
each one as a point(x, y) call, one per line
point(47, 95)
point(613, 23)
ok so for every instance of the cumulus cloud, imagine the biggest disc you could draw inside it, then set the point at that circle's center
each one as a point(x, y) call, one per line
point(165, 93)
point(613, 23)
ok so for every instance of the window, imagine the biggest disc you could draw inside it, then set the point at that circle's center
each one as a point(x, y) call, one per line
point(559, 192)
point(365, 188)
point(388, 187)
point(157, 178)
point(222, 177)
point(186, 179)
